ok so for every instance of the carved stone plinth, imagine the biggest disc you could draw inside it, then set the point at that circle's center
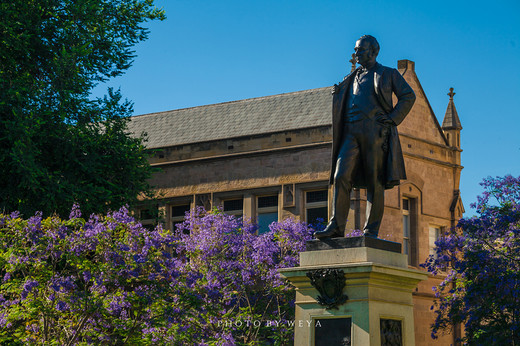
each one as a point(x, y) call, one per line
point(376, 293)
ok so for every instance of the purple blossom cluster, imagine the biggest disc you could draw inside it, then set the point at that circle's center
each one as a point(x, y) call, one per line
point(234, 274)
point(107, 279)
point(481, 263)
point(83, 280)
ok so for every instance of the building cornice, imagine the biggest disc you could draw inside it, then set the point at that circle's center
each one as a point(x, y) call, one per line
point(299, 147)
point(444, 146)
point(435, 161)
point(245, 153)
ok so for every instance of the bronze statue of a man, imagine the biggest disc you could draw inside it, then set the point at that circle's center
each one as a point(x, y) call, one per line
point(366, 152)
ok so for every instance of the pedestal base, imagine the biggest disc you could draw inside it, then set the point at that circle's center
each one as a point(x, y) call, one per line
point(379, 287)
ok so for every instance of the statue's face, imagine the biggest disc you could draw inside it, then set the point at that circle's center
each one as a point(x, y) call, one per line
point(364, 54)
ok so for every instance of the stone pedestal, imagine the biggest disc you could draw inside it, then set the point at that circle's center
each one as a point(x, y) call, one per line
point(378, 284)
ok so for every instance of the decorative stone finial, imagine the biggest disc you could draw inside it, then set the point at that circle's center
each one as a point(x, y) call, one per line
point(451, 118)
point(451, 94)
point(353, 62)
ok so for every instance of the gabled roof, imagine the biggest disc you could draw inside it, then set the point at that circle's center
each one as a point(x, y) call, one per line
point(451, 118)
point(290, 111)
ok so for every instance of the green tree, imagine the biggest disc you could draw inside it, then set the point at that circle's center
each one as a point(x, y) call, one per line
point(58, 145)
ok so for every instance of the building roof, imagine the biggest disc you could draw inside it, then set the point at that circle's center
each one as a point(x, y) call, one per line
point(451, 118)
point(284, 112)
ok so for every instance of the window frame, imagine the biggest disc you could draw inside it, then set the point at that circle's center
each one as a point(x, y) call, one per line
point(177, 219)
point(315, 205)
point(267, 210)
point(407, 246)
point(439, 230)
point(234, 212)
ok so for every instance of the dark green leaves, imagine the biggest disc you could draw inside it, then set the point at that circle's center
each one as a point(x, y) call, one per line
point(57, 145)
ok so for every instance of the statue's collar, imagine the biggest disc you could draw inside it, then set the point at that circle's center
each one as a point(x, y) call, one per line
point(372, 68)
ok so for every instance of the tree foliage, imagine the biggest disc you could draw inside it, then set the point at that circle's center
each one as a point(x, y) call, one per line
point(57, 144)
point(63, 282)
point(109, 280)
point(241, 298)
point(481, 259)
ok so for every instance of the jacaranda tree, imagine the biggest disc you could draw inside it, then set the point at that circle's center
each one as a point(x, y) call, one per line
point(106, 279)
point(481, 261)
point(240, 296)
point(58, 145)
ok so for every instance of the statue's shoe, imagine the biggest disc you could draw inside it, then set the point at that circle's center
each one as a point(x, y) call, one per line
point(370, 233)
point(332, 230)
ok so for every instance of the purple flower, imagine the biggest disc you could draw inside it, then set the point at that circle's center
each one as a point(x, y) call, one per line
point(87, 276)
point(28, 287)
point(61, 306)
point(139, 258)
point(55, 286)
point(354, 233)
point(3, 319)
point(75, 212)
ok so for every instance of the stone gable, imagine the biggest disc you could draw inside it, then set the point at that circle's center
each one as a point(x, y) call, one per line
point(421, 122)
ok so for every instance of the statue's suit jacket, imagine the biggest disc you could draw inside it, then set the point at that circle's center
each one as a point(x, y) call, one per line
point(386, 81)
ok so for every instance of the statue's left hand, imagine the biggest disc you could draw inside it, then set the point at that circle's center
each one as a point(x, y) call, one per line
point(384, 119)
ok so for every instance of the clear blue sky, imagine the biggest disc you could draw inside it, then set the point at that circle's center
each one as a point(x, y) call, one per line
point(216, 51)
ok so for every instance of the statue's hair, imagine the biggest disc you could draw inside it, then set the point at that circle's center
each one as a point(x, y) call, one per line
point(374, 45)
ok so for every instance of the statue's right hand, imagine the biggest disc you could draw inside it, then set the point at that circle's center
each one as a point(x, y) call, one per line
point(334, 89)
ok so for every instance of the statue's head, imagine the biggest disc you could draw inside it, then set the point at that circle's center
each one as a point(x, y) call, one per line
point(367, 49)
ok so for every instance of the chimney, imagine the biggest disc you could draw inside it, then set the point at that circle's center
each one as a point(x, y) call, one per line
point(405, 65)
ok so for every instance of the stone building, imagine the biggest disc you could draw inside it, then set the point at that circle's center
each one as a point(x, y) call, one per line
point(268, 158)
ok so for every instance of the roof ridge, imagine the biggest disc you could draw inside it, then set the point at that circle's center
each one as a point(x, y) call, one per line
point(235, 101)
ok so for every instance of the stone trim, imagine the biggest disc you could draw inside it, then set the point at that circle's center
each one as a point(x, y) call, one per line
point(244, 153)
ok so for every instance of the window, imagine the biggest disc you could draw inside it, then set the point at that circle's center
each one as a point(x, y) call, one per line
point(316, 206)
point(435, 233)
point(406, 229)
point(146, 214)
point(267, 212)
point(410, 222)
point(178, 213)
point(149, 217)
point(234, 206)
